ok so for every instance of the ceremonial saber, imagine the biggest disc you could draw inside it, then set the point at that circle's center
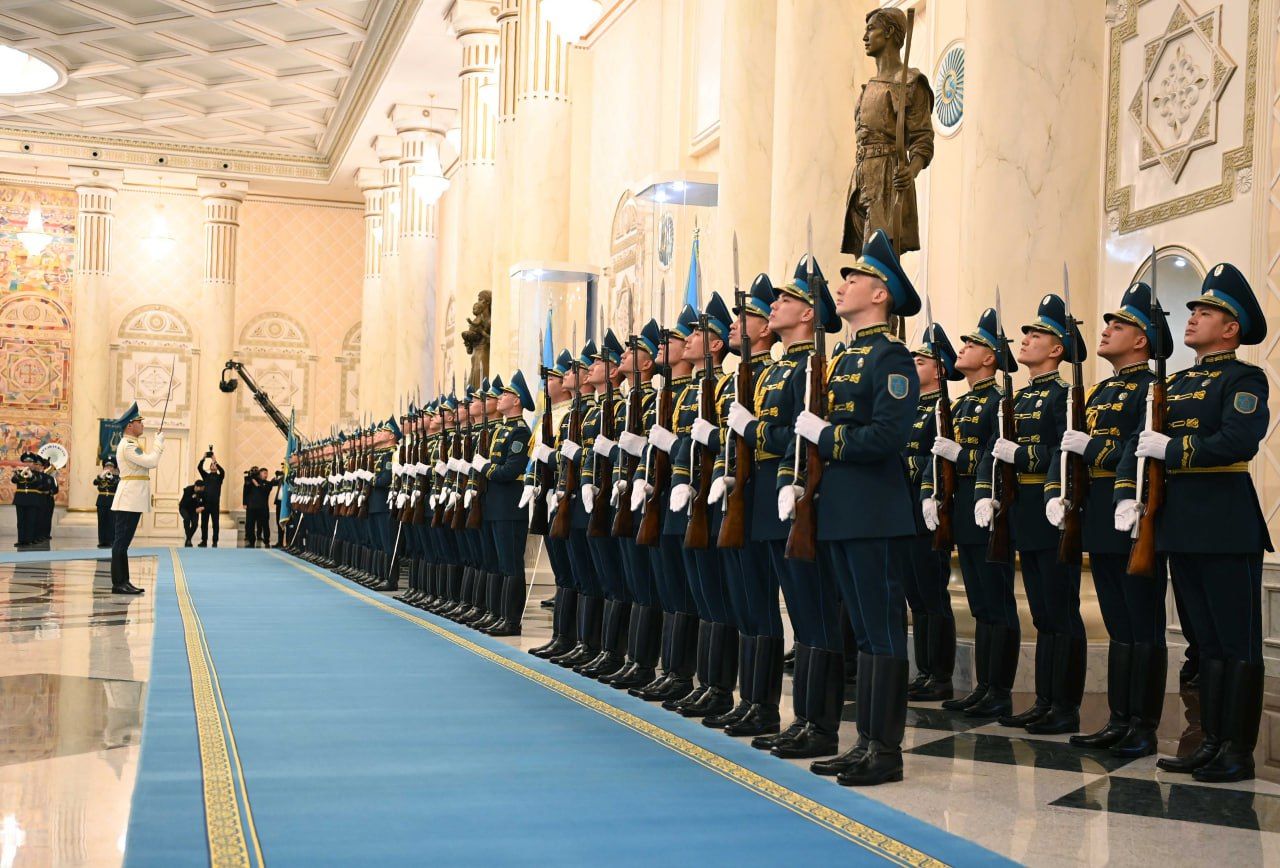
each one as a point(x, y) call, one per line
point(168, 393)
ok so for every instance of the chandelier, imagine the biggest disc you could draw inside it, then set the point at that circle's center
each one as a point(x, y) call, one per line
point(159, 241)
point(428, 181)
point(34, 239)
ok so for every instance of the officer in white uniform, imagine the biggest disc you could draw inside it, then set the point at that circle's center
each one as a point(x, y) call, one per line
point(133, 496)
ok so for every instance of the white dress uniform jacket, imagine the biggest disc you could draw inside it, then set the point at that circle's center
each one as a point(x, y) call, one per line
point(134, 493)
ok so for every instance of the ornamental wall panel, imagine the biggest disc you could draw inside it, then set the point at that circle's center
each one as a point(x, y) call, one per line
point(153, 360)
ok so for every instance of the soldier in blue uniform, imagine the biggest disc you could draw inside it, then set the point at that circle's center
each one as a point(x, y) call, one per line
point(988, 586)
point(27, 498)
point(752, 580)
point(48, 484)
point(682, 638)
point(705, 567)
point(381, 533)
point(1053, 589)
point(1132, 607)
point(872, 392)
point(933, 625)
point(489, 584)
point(1211, 526)
point(106, 483)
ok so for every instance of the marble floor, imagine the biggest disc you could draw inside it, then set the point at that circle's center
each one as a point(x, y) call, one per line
point(75, 660)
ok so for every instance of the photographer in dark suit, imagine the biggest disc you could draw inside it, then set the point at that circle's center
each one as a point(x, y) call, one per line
point(190, 508)
point(257, 522)
point(212, 474)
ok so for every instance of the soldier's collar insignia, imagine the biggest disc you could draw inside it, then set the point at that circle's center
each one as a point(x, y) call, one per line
point(1245, 402)
point(986, 383)
point(930, 396)
point(899, 386)
point(867, 332)
point(800, 348)
point(1134, 368)
point(1044, 378)
point(1226, 356)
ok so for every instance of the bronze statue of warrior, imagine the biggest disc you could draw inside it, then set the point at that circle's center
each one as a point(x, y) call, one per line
point(892, 150)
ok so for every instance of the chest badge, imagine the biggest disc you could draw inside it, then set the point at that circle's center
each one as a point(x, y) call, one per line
point(860, 361)
point(898, 386)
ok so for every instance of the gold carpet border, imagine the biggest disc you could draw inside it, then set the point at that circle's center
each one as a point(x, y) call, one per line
point(848, 828)
point(228, 840)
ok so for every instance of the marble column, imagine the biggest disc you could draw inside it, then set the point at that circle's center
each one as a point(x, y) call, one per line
point(746, 136)
point(221, 199)
point(505, 176)
point(541, 165)
point(91, 295)
point(1032, 156)
point(818, 77)
point(476, 177)
point(375, 326)
point(420, 130)
point(388, 150)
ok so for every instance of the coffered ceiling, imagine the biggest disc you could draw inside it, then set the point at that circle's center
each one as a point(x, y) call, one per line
point(266, 88)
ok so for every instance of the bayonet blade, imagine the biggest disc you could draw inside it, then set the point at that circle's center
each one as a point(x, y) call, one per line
point(737, 280)
point(809, 251)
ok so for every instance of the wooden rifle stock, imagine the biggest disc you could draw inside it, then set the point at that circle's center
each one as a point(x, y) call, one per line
point(1004, 489)
point(1142, 557)
point(561, 524)
point(601, 520)
point(944, 477)
point(1075, 488)
point(733, 527)
point(698, 534)
point(475, 515)
point(659, 475)
point(802, 541)
point(439, 517)
point(623, 522)
point(468, 452)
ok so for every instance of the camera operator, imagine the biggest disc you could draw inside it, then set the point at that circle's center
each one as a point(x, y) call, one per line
point(279, 483)
point(257, 523)
point(212, 474)
point(190, 508)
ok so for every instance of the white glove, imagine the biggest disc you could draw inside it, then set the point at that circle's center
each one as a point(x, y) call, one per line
point(479, 463)
point(787, 497)
point(1126, 515)
point(1152, 444)
point(542, 452)
point(159, 440)
point(441, 468)
point(810, 427)
point(553, 500)
point(1075, 442)
point(603, 446)
point(640, 494)
point(589, 498)
point(632, 444)
point(946, 449)
point(466, 500)
point(739, 418)
point(619, 489)
point(929, 509)
point(526, 496)
point(662, 438)
point(570, 450)
point(457, 465)
point(453, 499)
point(720, 486)
point(1005, 451)
point(1055, 511)
point(983, 511)
point(680, 497)
point(702, 431)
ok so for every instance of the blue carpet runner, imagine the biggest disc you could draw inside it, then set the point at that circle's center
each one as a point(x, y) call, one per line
point(296, 719)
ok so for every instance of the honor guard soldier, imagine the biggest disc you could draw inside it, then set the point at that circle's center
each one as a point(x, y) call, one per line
point(1132, 606)
point(106, 483)
point(872, 393)
point(813, 603)
point(1052, 588)
point(1211, 525)
point(705, 349)
point(133, 496)
point(47, 482)
point(27, 499)
point(682, 637)
point(933, 625)
point(505, 522)
point(988, 585)
point(752, 580)
point(386, 440)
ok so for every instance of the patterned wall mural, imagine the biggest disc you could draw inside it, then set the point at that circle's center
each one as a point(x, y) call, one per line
point(35, 328)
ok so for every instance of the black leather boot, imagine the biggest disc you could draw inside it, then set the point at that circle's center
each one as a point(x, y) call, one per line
point(590, 615)
point(789, 659)
point(1241, 716)
point(1043, 670)
point(856, 753)
point(981, 662)
point(566, 602)
point(629, 654)
point(746, 669)
point(942, 662)
point(1069, 662)
point(1119, 696)
point(511, 607)
point(660, 679)
point(644, 638)
point(1212, 686)
point(1145, 701)
point(612, 642)
point(702, 664)
point(883, 761)
point(1005, 648)
point(722, 659)
point(920, 645)
point(766, 690)
point(677, 682)
point(799, 692)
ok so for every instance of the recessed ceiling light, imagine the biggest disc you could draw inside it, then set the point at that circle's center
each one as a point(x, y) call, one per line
point(21, 73)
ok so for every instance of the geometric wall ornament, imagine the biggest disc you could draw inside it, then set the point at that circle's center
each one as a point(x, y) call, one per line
point(948, 84)
point(155, 323)
point(349, 367)
point(1176, 104)
point(34, 373)
point(29, 310)
point(154, 363)
point(275, 331)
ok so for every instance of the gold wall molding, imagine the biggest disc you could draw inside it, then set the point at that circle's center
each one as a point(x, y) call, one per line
point(1122, 217)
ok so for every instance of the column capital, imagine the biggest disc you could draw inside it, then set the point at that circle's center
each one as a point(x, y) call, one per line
point(222, 188)
point(473, 16)
point(411, 118)
point(388, 150)
point(369, 179)
point(93, 176)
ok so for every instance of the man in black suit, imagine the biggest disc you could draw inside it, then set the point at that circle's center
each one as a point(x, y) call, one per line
point(212, 474)
point(256, 500)
point(191, 507)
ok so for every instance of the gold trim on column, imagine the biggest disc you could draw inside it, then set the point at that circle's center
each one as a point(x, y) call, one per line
point(873, 840)
point(1121, 198)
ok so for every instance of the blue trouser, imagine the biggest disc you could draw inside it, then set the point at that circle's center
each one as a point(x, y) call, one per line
point(126, 527)
point(608, 563)
point(1223, 596)
point(558, 557)
point(489, 558)
point(926, 577)
point(706, 572)
point(508, 540)
point(640, 579)
point(581, 564)
point(1132, 606)
point(757, 577)
point(1053, 593)
point(669, 568)
point(813, 603)
point(988, 587)
point(867, 573)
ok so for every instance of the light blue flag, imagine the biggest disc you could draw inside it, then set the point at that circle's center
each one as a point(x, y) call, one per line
point(288, 455)
point(695, 276)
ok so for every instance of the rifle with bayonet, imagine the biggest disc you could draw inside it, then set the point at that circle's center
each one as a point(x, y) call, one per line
point(623, 523)
point(475, 515)
point(569, 471)
point(698, 534)
point(1151, 472)
point(944, 471)
point(540, 520)
point(1004, 479)
point(659, 471)
point(738, 457)
point(601, 522)
point(1074, 474)
point(802, 540)
point(467, 455)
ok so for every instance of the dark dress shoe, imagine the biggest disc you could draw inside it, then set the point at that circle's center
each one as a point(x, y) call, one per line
point(970, 699)
point(504, 628)
point(486, 622)
point(1039, 709)
point(557, 646)
point(881, 765)
point(808, 743)
point(125, 589)
point(654, 687)
point(759, 720)
point(576, 656)
point(1058, 721)
point(606, 664)
point(769, 742)
point(1185, 765)
point(1137, 742)
point(1231, 764)
point(837, 764)
point(548, 603)
point(715, 701)
point(1110, 734)
point(639, 677)
point(932, 691)
point(627, 668)
point(675, 703)
point(733, 715)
